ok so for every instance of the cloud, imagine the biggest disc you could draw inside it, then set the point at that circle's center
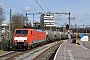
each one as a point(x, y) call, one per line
point(28, 9)
point(62, 17)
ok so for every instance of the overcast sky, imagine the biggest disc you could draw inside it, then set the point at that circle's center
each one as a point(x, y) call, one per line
point(80, 9)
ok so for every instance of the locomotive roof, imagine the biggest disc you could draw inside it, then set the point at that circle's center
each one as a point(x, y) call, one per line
point(29, 28)
point(23, 29)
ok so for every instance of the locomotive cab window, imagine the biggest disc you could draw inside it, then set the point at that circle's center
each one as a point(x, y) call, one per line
point(21, 31)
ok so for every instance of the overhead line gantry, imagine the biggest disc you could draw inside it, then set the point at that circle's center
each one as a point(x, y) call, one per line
point(65, 13)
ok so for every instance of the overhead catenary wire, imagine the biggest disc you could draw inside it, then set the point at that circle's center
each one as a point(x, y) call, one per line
point(12, 6)
point(45, 5)
point(40, 5)
point(15, 5)
point(8, 12)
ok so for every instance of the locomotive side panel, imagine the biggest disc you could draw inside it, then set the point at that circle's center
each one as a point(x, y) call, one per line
point(29, 38)
point(38, 37)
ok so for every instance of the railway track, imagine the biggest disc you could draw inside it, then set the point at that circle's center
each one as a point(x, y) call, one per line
point(8, 55)
point(47, 54)
point(14, 54)
point(32, 53)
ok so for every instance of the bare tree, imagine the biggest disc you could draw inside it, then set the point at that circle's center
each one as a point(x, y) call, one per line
point(18, 21)
point(2, 16)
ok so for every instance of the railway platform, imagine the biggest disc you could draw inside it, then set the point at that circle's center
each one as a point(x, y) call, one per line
point(72, 51)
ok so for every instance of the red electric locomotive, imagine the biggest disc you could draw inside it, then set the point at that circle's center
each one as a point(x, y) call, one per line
point(25, 38)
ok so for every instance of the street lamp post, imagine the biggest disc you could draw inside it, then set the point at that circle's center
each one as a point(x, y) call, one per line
point(50, 24)
point(49, 21)
point(33, 19)
point(86, 30)
point(10, 28)
point(69, 27)
point(26, 19)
